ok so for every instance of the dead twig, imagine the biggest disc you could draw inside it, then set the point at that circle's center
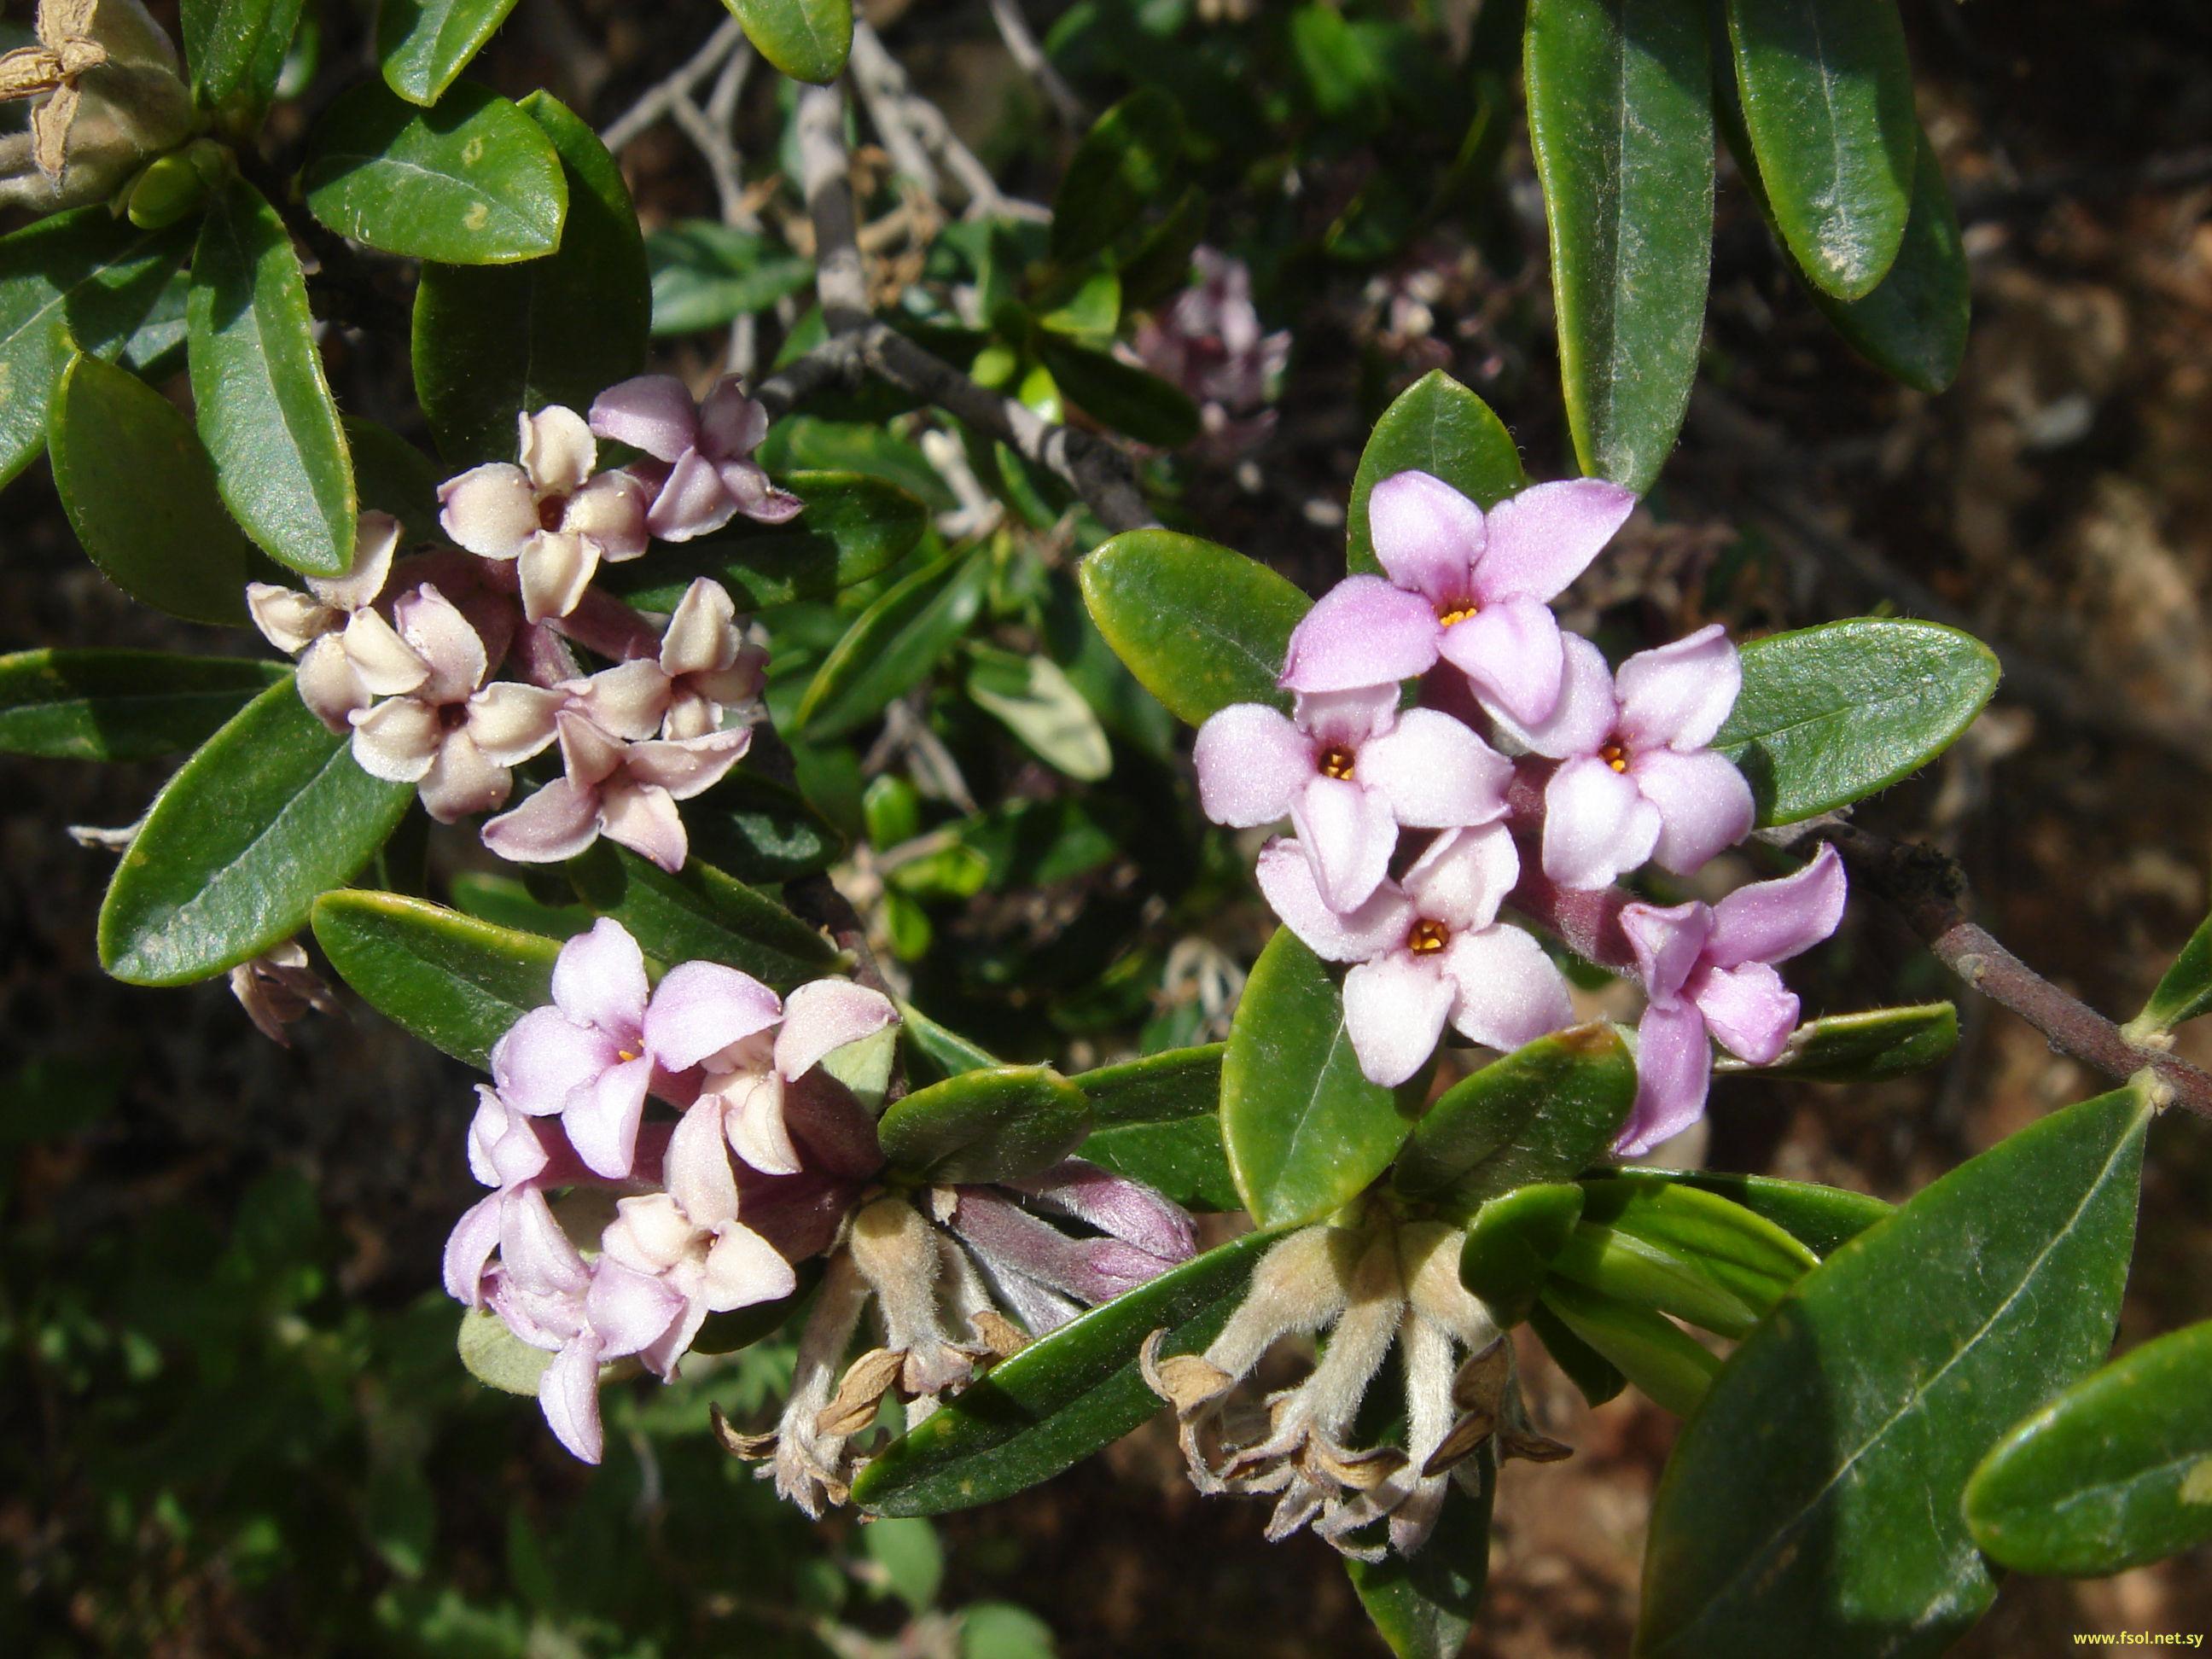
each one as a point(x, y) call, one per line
point(660, 97)
point(1014, 30)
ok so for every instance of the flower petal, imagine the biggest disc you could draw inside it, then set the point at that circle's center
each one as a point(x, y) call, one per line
point(510, 721)
point(1286, 879)
point(730, 424)
point(743, 1268)
point(557, 823)
point(823, 1015)
point(568, 1393)
point(1363, 632)
point(602, 1120)
point(702, 635)
point(1394, 1008)
point(1678, 694)
point(329, 686)
point(644, 818)
point(757, 497)
point(1462, 877)
point(611, 510)
point(1704, 806)
point(1747, 1008)
point(1510, 651)
point(599, 979)
point(556, 450)
point(689, 766)
point(545, 1057)
point(1508, 992)
point(1349, 834)
point(1774, 920)
point(397, 740)
point(755, 1125)
point(700, 1008)
point(1674, 1068)
point(651, 412)
point(1435, 772)
point(1598, 825)
point(692, 500)
point(1544, 538)
point(468, 1247)
point(434, 630)
point(462, 779)
point(696, 1167)
point(1427, 536)
point(1129, 1210)
point(386, 664)
point(288, 618)
point(375, 536)
point(557, 567)
point(1252, 763)
point(1667, 944)
point(491, 510)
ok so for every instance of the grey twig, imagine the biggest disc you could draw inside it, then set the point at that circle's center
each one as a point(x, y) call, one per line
point(841, 280)
point(660, 97)
point(883, 89)
point(884, 85)
point(1014, 30)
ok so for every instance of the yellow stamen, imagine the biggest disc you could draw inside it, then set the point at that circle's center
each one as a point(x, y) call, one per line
point(1458, 614)
point(1614, 755)
point(1427, 938)
point(1336, 761)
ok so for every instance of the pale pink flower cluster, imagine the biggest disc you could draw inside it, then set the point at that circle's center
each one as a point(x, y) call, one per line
point(1207, 340)
point(408, 658)
point(1532, 773)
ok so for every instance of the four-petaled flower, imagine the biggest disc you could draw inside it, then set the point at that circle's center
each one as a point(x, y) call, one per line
point(702, 473)
point(626, 791)
point(349, 655)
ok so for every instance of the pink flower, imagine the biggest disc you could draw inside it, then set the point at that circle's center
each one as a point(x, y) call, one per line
point(702, 474)
point(1348, 769)
point(348, 654)
point(1710, 969)
point(549, 513)
point(452, 734)
point(1428, 950)
point(1637, 781)
point(625, 790)
point(1468, 586)
point(704, 669)
point(1207, 340)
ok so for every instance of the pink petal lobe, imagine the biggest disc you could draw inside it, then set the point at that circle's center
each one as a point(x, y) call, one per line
point(557, 567)
point(1363, 632)
point(1598, 825)
point(645, 820)
point(755, 1125)
point(1666, 944)
point(628, 1308)
point(491, 510)
point(610, 512)
point(397, 740)
point(702, 634)
point(1349, 834)
point(1704, 805)
point(288, 618)
point(468, 1247)
point(1511, 651)
point(652, 412)
point(1774, 920)
point(1679, 695)
point(434, 630)
point(743, 1268)
point(1435, 772)
point(700, 1008)
point(1747, 1008)
point(545, 1057)
point(757, 497)
point(598, 978)
point(689, 766)
point(1462, 877)
point(1509, 991)
point(1394, 1009)
point(386, 664)
point(1544, 538)
point(462, 779)
point(1427, 536)
point(1286, 880)
point(511, 722)
point(329, 685)
point(568, 1393)
point(826, 1014)
point(1252, 762)
point(691, 502)
point(556, 449)
point(1582, 719)
point(602, 1120)
point(697, 1166)
point(626, 701)
point(730, 423)
point(1346, 719)
point(1673, 1067)
point(557, 823)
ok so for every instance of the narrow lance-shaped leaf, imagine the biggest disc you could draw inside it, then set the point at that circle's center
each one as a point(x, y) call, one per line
point(893, 644)
point(140, 495)
point(473, 181)
point(1115, 394)
point(2185, 990)
point(1125, 163)
point(1858, 1047)
point(1621, 123)
point(269, 816)
point(423, 43)
point(1159, 1121)
point(1032, 697)
point(1673, 1368)
point(236, 48)
point(1306, 1131)
point(701, 914)
point(1822, 1218)
point(998, 1124)
point(121, 705)
point(1439, 426)
point(1813, 1508)
point(265, 412)
point(1827, 96)
point(807, 39)
point(1423, 1606)
point(1200, 626)
point(1828, 715)
point(455, 981)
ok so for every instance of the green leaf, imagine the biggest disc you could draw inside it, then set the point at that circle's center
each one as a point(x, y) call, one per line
point(1306, 1131)
point(1089, 313)
point(803, 442)
point(700, 913)
point(855, 527)
point(912, 1560)
point(1672, 1367)
point(1031, 695)
point(941, 1051)
point(1127, 161)
point(895, 642)
point(2116, 1472)
point(121, 705)
point(393, 475)
point(1060, 1398)
point(706, 275)
point(1621, 123)
point(807, 39)
point(455, 981)
point(496, 1357)
point(1590, 1371)
point(78, 279)
point(1813, 1506)
point(1200, 625)
point(1423, 1606)
point(1510, 1243)
point(423, 43)
point(1631, 1272)
point(1860, 1048)
point(492, 343)
point(1830, 714)
point(999, 1124)
point(760, 831)
point(1439, 426)
point(2185, 990)
point(999, 1629)
point(1542, 1113)
point(508, 902)
point(236, 49)
point(472, 181)
point(141, 495)
point(268, 815)
point(1827, 96)
point(1119, 395)
point(265, 412)
point(1822, 1218)
point(1160, 266)
point(1159, 1121)
point(1685, 1251)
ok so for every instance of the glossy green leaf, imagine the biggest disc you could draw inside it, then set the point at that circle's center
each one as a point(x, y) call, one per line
point(82, 279)
point(1544, 1112)
point(1860, 1048)
point(807, 39)
point(1439, 426)
point(265, 412)
point(1621, 123)
point(268, 815)
point(1119, 395)
point(1597, 1377)
point(1821, 1218)
point(1159, 1121)
point(121, 705)
point(1755, 1259)
point(472, 181)
point(1306, 1131)
point(495, 342)
point(506, 902)
point(995, 1124)
point(2116, 1472)
point(1060, 1399)
point(941, 1052)
point(454, 981)
point(423, 43)
point(393, 475)
point(1200, 625)
point(1672, 1367)
point(1827, 96)
point(855, 527)
point(759, 831)
point(808, 443)
point(1632, 1272)
point(1813, 1506)
point(2185, 990)
point(1089, 313)
point(706, 275)
point(236, 48)
point(700, 913)
point(894, 644)
point(496, 1357)
point(1830, 714)
point(1032, 697)
point(1160, 266)
point(1423, 1606)
point(140, 495)
point(1510, 1243)
point(1126, 162)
